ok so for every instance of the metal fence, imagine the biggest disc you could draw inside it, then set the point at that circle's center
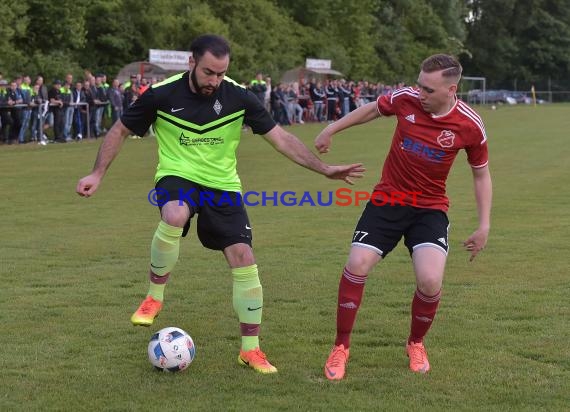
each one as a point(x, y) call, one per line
point(42, 113)
point(514, 97)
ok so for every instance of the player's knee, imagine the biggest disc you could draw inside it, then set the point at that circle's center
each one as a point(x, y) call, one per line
point(175, 215)
point(429, 283)
point(362, 262)
point(239, 255)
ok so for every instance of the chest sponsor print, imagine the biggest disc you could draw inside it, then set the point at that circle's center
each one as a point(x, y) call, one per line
point(422, 150)
point(200, 141)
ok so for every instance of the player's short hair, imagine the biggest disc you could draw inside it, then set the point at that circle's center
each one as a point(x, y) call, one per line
point(212, 43)
point(448, 65)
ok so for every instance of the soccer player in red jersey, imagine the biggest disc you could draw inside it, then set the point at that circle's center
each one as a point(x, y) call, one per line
point(433, 125)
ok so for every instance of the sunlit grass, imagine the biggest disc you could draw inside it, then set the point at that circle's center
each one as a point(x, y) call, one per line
point(74, 269)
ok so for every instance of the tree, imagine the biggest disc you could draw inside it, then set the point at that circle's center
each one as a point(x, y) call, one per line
point(263, 38)
point(508, 41)
point(519, 40)
point(13, 24)
point(407, 33)
point(338, 30)
point(54, 35)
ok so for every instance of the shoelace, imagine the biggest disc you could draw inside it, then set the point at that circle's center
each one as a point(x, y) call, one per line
point(259, 355)
point(147, 307)
point(418, 353)
point(338, 357)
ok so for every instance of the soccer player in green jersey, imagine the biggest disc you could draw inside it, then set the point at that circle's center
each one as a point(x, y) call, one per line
point(197, 117)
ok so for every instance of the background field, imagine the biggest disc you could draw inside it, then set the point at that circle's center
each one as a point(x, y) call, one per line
point(74, 269)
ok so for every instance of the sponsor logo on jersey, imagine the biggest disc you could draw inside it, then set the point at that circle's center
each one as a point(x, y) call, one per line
point(422, 150)
point(446, 138)
point(199, 141)
point(411, 118)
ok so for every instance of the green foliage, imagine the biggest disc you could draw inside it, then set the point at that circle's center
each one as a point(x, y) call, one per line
point(52, 65)
point(263, 38)
point(54, 26)
point(378, 40)
point(113, 35)
point(175, 31)
point(409, 31)
point(13, 23)
point(519, 39)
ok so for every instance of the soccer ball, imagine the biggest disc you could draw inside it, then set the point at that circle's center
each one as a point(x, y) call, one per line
point(171, 350)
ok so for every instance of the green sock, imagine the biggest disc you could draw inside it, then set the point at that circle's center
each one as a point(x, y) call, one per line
point(248, 304)
point(163, 257)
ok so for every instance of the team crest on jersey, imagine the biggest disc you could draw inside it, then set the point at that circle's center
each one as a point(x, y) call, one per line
point(217, 107)
point(446, 138)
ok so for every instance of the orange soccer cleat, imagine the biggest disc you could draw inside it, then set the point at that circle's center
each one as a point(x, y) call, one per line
point(336, 363)
point(418, 357)
point(256, 360)
point(147, 311)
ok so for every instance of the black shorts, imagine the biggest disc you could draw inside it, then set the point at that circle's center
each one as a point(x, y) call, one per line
point(380, 228)
point(222, 219)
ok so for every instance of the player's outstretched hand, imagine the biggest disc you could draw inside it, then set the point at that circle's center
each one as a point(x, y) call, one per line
point(346, 172)
point(88, 185)
point(476, 242)
point(323, 142)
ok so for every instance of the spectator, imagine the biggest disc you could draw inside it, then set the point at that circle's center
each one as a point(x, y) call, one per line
point(26, 113)
point(279, 105)
point(16, 100)
point(267, 97)
point(100, 101)
point(56, 108)
point(344, 97)
point(318, 96)
point(259, 87)
point(144, 85)
point(332, 93)
point(294, 109)
point(68, 108)
point(39, 109)
point(47, 115)
point(116, 99)
point(90, 94)
point(5, 111)
point(78, 99)
point(131, 91)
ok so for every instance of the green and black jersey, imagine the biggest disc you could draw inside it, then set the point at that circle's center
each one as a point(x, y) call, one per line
point(198, 136)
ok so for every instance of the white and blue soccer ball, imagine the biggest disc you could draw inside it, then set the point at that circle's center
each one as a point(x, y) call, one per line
point(171, 350)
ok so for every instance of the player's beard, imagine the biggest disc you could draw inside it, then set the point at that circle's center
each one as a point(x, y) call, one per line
point(200, 89)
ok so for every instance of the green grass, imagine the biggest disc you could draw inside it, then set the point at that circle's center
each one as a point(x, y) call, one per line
point(74, 269)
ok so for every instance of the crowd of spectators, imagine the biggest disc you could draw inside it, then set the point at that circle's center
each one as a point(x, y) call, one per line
point(316, 101)
point(71, 111)
point(65, 111)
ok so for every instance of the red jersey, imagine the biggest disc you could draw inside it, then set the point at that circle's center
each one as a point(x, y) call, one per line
point(424, 147)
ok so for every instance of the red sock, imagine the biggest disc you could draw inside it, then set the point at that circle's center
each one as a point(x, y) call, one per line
point(350, 291)
point(423, 311)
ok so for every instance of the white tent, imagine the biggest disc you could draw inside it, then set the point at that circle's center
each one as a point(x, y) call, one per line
point(148, 70)
point(302, 73)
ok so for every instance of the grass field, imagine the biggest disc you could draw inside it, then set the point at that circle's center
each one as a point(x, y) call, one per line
point(73, 270)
